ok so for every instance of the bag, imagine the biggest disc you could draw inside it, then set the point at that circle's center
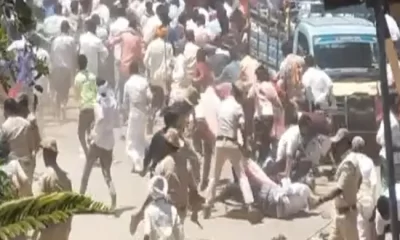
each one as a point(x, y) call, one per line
point(162, 76)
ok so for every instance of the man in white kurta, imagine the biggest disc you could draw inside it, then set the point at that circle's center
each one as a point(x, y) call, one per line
point(92, 47)
point(136, 96)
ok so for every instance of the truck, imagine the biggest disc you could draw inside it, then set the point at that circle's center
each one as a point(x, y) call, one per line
point(343, 45)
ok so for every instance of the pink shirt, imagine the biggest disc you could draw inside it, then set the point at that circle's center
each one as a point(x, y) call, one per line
point(131, 49)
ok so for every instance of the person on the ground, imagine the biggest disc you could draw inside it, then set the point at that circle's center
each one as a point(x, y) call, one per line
point(102, 138)
point(137, 96)
point(161, 219)
point(54, 179)
point(230, 120)
point(92, 47)
point(272, 199)
point(86, 93)
point(348, 178)
point(63, 56)
point(17, 132)
point(317, 84)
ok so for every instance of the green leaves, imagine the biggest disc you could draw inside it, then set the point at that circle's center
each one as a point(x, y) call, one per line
point(18, 217)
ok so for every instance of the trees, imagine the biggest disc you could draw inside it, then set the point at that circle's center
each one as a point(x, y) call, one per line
point(17, 19)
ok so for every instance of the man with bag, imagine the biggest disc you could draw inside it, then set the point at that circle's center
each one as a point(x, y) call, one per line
point(158, 61)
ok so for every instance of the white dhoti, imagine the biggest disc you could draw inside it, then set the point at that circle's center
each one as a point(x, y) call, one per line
point(135, 137)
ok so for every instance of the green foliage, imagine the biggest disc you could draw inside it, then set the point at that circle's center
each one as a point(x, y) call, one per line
point(18, 217)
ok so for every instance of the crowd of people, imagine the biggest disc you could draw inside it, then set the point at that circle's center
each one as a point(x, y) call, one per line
point(131, 63)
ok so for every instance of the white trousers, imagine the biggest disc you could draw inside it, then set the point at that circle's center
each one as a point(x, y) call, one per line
point(135, 138)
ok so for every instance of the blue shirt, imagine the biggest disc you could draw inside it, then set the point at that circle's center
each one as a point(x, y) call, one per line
point(25, 65)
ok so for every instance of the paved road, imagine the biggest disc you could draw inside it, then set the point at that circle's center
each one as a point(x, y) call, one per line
point(131, 191)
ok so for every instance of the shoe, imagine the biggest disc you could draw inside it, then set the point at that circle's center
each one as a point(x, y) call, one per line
point(254, 215)
point(135, 220)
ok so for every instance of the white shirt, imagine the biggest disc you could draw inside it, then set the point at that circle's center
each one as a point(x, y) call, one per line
point(136, 93)
point(228, 9)
point(103, 12)
point(191, 25)
point(63, 52)
point(381, 223)
point(380, 137)
point(389, 73)
point(137, 7)
point(119, 25)
point(288, 143)
point(52, 25)
point(319, 84)
point(190, 53)
point(230, 116)
point(161, 221)
point(95, 51)
point(105, 120)
point(174, 12)
point(393, 27)
point(150, 28)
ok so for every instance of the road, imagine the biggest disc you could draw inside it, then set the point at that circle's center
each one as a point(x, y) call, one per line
point(131, 191)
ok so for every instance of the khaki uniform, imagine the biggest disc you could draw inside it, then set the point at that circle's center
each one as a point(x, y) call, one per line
point(55, 180)
point(348, 178)
point(174, 168)
point(18, 133)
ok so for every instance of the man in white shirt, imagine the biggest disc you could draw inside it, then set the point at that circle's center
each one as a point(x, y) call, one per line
point(103, 12)
point(102, 138)
point(317, 84)
point(92, 47)
point(382, 213)
point(63, 57)
point(230, 122)
point(137, 95)
point(150, 28)
point(202, 36)
point(298, 149)
point(380, 138)
point(366, 194)
point(190, 53)
point(52, 24)
point(393, 28)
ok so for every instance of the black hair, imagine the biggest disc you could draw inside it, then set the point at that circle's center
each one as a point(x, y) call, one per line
point(170, 118)
point(65, 26)
point(91, 25)
point(287, 48)
point(11, 106)
point(23, 100)
point(304, 120)
point(201, 19)
point(189, 35)
point(58, 9)
point(309, 61)
point(82, 62)
point(74, 6)
point(100, 82)
point(133, 23)
point(262, 73)
point(134, 67)
point(201, 55)
point(382, 206)
point(149, 7)
point(96, 19)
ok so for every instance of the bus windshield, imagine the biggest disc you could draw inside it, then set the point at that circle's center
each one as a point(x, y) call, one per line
point(332, 52)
